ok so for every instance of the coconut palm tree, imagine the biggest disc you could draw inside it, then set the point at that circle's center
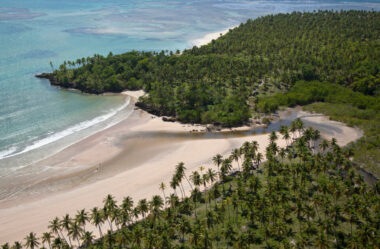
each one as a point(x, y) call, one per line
point(173, 201)
point(136, 213)
point(195, 194)
point(300, 125)
point(65, 224)
point(109, 207)
point(315, 136)
point(273, 137)
point(180, 171)
point(87, 238)
point(97, 219)
point(162, 187)
point(124, 238)
point(143, 207)
point(75, 231)
point(227, 165)
point(183, 227)
point(17, 245)
point(284, 131)
point(55, 227)
point(174, 183)
point(46, 238)
point(324, 145)
point(58, 243)
point(109, 239)
point(217, 159)
point(211, 175)
point(354, 243)
point(196, 178)
point(259, 158)
point(293, 129)
point(116, 217)
point(308, 135)
point(204, 181)
point(127, 204)
point(254, 146)
point(235, 155)
point(156, 204)
point(82, 218)
point(322, 241)
point(31, 241)
point(179, 175)
point(137, 235)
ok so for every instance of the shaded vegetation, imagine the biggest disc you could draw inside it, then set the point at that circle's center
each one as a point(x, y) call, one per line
point(307, 92)
point(367, 149)
point(342, 104)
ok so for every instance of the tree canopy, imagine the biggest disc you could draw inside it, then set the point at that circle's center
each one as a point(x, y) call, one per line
point(306, 194)
point(215, 83)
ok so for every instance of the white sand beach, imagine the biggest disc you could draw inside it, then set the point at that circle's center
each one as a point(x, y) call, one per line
point(129, 159)
point(209, 37)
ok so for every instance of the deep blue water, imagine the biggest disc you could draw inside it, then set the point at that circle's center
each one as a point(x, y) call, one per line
point(37, 119)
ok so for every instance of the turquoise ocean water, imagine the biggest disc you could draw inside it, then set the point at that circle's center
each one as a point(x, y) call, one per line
point(36, 119)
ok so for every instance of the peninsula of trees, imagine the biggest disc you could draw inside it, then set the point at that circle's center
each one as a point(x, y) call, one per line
point(220, 82)
point(328, 61)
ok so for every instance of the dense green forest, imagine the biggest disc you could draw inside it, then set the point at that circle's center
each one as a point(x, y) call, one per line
point(272, 61)
point(218, 83)
point(306, 195)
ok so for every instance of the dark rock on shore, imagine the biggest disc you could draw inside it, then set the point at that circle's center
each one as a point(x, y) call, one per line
point(169, 119)
point(50, 77)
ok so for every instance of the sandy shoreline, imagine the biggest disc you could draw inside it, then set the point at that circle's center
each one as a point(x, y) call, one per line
point(208, 38)
point(130, 158)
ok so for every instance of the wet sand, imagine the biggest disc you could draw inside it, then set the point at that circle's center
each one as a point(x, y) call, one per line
point(130, 158)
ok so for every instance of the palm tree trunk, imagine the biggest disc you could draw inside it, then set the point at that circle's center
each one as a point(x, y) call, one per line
point(110, 223)
point(206, 201)
point(70, 241)
point(182, 190)
point(191, 186)
point(61, 236)
point(163, 192)
point(100, 231)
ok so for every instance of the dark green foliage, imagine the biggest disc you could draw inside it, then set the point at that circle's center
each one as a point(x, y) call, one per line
point(342, 104)
point(214, 83)
point(309, 197)
point(339, 47)
point(366, 149)
point(306, 92)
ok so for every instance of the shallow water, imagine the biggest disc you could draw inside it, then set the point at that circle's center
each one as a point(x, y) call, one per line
point(36, 119)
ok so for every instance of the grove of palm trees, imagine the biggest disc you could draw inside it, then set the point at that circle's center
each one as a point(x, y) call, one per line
point(299, 58)
point(306, 195)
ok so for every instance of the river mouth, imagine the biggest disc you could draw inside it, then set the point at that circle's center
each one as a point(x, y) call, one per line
point(105, 153)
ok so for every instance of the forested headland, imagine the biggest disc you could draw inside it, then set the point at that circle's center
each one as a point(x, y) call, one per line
point(219, 82)
point(329, 61)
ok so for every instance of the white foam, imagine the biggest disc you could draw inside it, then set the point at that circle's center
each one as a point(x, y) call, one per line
point(69, 131)
point(7, 152)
